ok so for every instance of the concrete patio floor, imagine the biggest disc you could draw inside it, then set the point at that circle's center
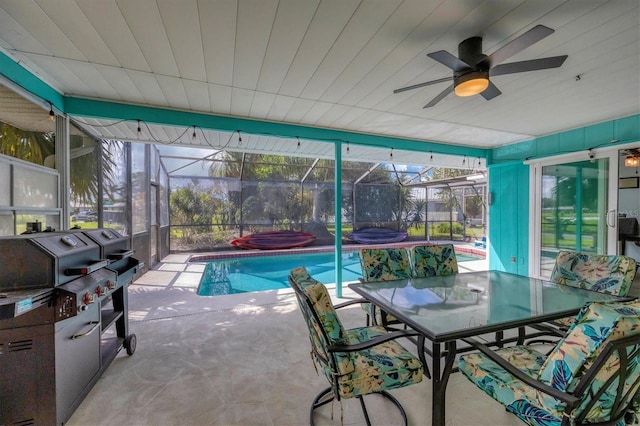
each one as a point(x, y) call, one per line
point(242, 359)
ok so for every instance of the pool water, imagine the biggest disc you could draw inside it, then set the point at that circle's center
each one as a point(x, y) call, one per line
point(260, 273)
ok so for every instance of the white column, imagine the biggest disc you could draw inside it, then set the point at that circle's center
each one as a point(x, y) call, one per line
point(63, 166)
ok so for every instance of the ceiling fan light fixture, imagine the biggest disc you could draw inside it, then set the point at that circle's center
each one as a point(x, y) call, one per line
point(471, 83)
point(631, 161)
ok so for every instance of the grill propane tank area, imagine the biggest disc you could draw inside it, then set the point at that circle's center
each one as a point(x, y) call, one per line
point(63, 319)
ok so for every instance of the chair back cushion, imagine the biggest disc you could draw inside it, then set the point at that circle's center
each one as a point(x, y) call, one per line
point(596, 325)
point(384, 264)
point(434, 260)
point(317, 307)
point(606, 274)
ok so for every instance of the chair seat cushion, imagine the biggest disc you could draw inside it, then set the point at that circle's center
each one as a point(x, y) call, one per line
point(531, 406)
point(564, 323)
point(382, 367)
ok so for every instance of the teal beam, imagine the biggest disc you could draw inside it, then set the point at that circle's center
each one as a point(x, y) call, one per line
point(118, 111)
point(82, 107)
point(18, 75)
point(338, 217)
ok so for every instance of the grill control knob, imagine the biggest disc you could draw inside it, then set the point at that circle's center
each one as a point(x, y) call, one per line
point(88, 298)
point(100, 291)
point(110, 285)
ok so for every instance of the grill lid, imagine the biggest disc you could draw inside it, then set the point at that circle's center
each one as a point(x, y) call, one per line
point(44, 260)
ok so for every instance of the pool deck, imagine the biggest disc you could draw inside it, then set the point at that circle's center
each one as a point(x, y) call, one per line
point(241, 359)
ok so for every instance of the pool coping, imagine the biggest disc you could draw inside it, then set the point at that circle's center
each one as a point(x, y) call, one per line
point(475, 251)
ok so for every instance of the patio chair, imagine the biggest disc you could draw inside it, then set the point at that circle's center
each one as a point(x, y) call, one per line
point(358, 361)
point(383, 264)
point(596, 272)
point(434, 260)
point(592, 376)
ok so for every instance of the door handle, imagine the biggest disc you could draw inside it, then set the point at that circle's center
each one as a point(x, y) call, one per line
point(611, 218)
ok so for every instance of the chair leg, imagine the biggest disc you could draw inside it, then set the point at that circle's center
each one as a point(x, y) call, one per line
point(364, 411)
point(397, 404)
point(391, 398)
point(319, 402)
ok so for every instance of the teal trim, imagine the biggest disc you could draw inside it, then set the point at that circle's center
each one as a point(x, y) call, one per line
point(621, 130)
point(112, 110)
point(23, 78)
point(627, 129)
point(338, 215)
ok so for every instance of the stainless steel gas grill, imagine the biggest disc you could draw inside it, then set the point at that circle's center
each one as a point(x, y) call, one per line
point(115, 248)
point(58, 297)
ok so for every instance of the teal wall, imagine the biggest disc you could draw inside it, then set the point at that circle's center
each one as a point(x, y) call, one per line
point(509, 218)
point(509, 184)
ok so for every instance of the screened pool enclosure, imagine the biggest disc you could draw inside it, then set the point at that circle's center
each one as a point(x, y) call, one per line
point(219, 195)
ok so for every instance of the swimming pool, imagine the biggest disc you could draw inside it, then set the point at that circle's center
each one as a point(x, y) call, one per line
point(260, 273)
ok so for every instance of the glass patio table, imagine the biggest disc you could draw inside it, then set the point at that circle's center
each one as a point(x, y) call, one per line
point(447, 309)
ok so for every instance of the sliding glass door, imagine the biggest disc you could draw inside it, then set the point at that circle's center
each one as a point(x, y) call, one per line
point(571, 210)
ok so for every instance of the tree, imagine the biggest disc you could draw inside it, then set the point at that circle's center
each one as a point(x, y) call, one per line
point(473, 206)
point(192, 208)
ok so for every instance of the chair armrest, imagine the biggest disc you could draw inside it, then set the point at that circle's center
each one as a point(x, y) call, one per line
point(348, 303)
point(569, 399)
point(373, 342)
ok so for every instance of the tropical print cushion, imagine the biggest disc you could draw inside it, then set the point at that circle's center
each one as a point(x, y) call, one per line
point(382, 367)
point(502, 386)
point(321, 301)
point(602, 273)
point(301, 277)
point(595, 325)
point(384, 264)
point(434, 260)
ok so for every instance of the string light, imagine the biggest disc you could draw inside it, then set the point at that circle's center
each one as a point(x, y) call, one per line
point(348, 148)
point(52, 115)
point(193, 136)
point(431, 156)
point(239, 139)
point(391, 154)
point(298, 147)
point(139, 129)
point(464, 160)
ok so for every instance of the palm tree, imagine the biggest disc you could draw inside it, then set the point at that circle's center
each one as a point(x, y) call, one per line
point(39, 148)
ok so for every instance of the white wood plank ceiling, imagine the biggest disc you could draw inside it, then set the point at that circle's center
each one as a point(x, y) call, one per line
point(333, 63)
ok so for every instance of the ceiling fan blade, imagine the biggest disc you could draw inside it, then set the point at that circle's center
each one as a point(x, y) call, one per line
point(527, 39)
point(440, 97)
point(531, 65)
point(428, 83)
point(448, 60)
point(491, 92)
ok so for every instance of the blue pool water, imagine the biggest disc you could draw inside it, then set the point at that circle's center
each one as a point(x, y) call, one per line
point(260, 273)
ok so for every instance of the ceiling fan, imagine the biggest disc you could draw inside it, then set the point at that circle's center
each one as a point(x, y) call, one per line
point(472, 68)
